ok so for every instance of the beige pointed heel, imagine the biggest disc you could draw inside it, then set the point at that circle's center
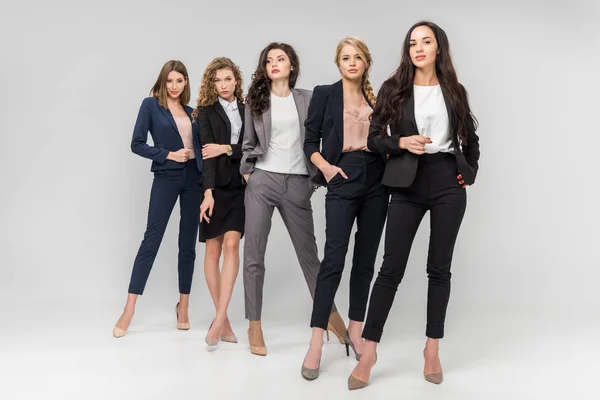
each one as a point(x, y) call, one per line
point(211, 342)
point(118, 332)
point(256, 340)
point(229, 339)
point(434, 377)
point(336, 326)
point(182, 326)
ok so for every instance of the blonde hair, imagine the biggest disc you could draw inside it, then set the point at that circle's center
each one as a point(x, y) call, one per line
point(365, 54)
point(208, 94)
point(159, 90)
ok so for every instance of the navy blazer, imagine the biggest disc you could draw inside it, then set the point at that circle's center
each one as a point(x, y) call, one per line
point(401, 166)
point(159, 121)
point(325, 122)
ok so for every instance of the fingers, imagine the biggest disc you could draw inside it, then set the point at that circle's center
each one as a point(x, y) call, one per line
point(422, 139)
point(341, 171)
point(210, 209)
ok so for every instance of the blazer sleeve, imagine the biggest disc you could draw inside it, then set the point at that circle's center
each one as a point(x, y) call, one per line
point(314, 121)
point(139, 144)
point(471, 148)
point(249, 142)
point(209, 166)
point(383, 143)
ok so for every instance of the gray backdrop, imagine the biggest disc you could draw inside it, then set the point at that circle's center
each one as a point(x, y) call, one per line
point(74, 198)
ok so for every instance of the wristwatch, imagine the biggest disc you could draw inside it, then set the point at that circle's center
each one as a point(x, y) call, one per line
point(229, 152)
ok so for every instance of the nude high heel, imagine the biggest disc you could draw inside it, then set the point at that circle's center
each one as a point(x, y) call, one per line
point(182, 326)
point(256, 340)
point(434, 377)
point(118, 332)
point(336, 326)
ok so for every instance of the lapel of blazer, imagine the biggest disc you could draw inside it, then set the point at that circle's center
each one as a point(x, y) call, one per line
point(410, 127)
point(301, 109)
point(450, 114)
point(266, 123)
point(242, 110)
point(219, 109)
point(336, 105)
point(169, 117)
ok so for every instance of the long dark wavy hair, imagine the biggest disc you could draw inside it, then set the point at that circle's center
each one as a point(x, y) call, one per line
point(259, 92)
point(399, 87)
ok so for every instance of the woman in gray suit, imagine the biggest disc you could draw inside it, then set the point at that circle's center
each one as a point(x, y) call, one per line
point(278, 175)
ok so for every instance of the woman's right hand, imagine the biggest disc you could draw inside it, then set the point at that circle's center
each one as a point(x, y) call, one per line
point(181, 155)
point(415, 143)
point(329, 171)
point(246, 176)
point(207, 205)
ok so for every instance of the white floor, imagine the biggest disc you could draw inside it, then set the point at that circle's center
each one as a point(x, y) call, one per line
point(489, 356)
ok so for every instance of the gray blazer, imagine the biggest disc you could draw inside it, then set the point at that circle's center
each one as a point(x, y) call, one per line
point(257, 133)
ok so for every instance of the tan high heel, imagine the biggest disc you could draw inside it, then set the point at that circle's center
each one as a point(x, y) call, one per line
point(336, 326)
point(182, 326)
point(229, 338)
point(433, 377)
point(256, 340)
point(211, 341)
point(348, 343)
point(118, 332)
point(355, 383)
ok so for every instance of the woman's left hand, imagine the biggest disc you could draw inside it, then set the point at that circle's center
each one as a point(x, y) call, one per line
point(461, 181)
point(212, 150)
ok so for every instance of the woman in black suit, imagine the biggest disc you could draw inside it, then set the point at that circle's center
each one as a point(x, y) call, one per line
point(220, 115)
point(177, 168)
point(338, 117)
point(433, 155)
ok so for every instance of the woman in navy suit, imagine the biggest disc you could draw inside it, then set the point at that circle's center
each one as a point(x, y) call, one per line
point(220, 117)
point(177, 166)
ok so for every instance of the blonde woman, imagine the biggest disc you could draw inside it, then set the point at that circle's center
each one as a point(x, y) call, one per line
point(220, 117)
point(337, 128)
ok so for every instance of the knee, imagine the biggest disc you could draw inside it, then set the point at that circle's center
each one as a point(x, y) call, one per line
point(231, 247)
point(439, 274)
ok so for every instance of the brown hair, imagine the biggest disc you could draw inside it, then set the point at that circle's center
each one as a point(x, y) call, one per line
point(159, 90)
point(259, 92)
point(365, 54)
point(208, 94)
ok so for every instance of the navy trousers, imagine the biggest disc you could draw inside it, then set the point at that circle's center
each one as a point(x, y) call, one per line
point(168, 185)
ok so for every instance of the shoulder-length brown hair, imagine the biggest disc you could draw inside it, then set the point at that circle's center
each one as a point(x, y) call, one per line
point(259, 92)
point(208, 94)
point(159, 90)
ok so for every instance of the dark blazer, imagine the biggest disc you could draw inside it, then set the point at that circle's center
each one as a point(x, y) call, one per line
point(214, 127)
point(325, 123)
point(401, 166)
point(257, 133)
point(159, 121)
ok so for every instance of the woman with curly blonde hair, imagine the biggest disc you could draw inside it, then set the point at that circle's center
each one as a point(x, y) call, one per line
point(220, 116)
point(337, 127)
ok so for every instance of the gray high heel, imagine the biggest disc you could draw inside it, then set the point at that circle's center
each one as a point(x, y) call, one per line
point(348, 343)
point(310, 374)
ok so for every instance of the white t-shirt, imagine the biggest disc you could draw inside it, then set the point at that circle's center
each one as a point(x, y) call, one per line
point(432, 118)
point(285, 154)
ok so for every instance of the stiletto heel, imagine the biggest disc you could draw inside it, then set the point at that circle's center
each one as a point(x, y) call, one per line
point(327, 334)
point(349, 343)
point(182, 326)
point(347, 350)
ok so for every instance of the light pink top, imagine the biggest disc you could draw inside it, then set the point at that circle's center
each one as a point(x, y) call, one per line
point(356, 128)
point(184, 126)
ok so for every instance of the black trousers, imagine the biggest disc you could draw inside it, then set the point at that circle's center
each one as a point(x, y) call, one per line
point(167, 186)
point(435, 189)
point(363, 198)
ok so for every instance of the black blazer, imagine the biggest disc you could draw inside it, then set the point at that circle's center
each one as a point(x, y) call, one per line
point(325, 122)
point(214, 127)
point(401, 166)
point(159, 121)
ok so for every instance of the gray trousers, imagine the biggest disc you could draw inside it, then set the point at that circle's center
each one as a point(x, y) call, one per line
point(291, 195)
